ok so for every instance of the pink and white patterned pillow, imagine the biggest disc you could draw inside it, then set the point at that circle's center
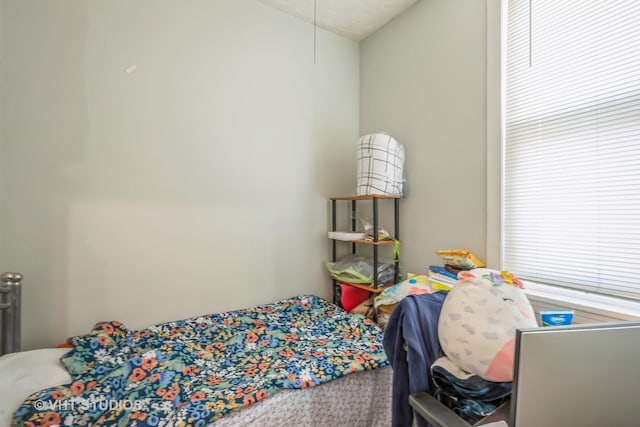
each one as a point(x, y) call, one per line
point(478, 321)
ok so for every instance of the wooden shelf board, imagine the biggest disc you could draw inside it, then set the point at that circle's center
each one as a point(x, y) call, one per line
point(386, 308)
point(369, 242)
point(365, 197)
point(365, 286)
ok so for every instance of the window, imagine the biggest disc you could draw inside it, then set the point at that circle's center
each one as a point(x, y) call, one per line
point(571, 144)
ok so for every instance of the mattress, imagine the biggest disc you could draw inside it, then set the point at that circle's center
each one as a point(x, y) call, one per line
point(359, 399)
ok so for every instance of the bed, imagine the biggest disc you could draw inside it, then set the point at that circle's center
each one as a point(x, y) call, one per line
point(301, 361)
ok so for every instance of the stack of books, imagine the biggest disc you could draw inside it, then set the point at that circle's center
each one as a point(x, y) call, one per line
point(441, 279)
point(456, 260)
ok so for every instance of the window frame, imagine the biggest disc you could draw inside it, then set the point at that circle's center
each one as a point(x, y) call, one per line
point(495, 89)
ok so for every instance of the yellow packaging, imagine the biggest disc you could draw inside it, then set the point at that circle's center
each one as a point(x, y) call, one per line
point(462, 258)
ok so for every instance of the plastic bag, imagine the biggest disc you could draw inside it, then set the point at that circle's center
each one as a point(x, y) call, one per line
point(354, 268)
point(461, 258)
point(383, 234)
point(366, 224)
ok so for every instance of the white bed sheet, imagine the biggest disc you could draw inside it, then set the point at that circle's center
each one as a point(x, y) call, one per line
point(24, 373)
point(362, 399)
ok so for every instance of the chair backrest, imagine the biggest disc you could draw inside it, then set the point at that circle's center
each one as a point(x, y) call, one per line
point(582, 375)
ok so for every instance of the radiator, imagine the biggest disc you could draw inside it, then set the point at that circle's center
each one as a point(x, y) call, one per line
point(10, 295)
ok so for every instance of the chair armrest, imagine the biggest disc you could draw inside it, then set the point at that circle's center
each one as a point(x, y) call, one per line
point(435, 412)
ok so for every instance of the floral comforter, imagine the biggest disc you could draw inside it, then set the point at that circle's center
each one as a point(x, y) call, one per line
point(193, 371)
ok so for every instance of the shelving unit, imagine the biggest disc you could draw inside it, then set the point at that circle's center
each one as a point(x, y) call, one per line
point(374, 287)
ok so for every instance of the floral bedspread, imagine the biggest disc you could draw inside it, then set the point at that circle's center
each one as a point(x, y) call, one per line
point(193, 371)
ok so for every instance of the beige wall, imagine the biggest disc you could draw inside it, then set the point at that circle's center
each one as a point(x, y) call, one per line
point(2, 84)
point(195, 183)
point(423, 80)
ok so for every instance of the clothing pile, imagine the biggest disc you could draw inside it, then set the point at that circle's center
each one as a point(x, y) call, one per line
point(457, 345)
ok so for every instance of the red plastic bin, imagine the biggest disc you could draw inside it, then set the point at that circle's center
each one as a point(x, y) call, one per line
point(352, 296)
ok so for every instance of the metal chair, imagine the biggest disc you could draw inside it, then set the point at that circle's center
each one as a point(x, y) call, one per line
point(439, 415)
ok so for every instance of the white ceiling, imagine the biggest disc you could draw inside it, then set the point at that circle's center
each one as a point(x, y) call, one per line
point(355, 19)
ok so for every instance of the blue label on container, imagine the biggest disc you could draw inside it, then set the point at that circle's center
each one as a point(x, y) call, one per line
point(556, 318)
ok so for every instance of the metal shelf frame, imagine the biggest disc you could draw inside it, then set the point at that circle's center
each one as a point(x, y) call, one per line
point(375, 199)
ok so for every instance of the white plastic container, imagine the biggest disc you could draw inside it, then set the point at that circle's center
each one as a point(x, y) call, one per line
point(380, 165)
point(347, 236)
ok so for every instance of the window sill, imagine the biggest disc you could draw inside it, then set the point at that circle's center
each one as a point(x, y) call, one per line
point(584, 301)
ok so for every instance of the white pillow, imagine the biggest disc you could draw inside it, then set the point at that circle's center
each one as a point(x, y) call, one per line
point(26, 372)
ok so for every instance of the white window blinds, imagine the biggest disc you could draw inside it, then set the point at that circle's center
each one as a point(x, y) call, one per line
point(571, 198)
